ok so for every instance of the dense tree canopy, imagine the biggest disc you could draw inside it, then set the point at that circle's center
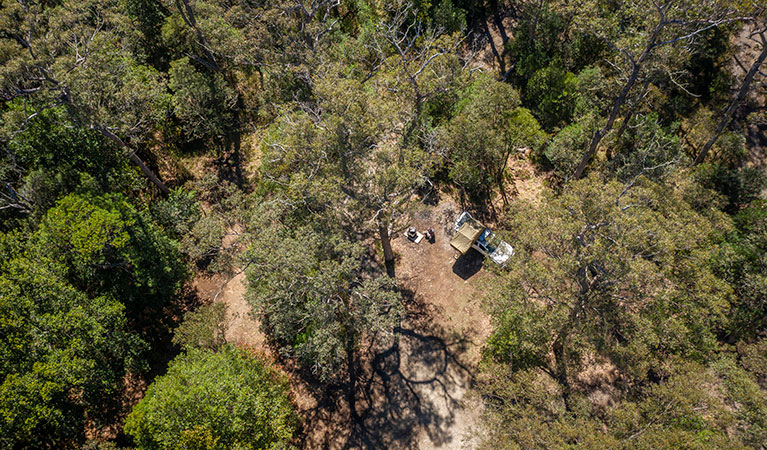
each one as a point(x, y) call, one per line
point(490, 128)
point(152, 149)
point(317, 299)
point(63, 352)
point(623, 272)
point(215, 400)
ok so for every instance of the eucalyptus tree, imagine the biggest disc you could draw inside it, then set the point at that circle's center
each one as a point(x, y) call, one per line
point(74, 55)
point(259, 34)
point(645, 37)
point(692, 405)
point(215, 400)
point(618, 271)
point(318, 298)
point(353, 148)
point(64, 351)
point(488, 129)
point(757, 34)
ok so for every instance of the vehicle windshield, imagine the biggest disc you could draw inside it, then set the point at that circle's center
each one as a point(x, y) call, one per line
point(491, 241)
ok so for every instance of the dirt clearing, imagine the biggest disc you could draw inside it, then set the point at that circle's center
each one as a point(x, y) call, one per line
point(414, 394)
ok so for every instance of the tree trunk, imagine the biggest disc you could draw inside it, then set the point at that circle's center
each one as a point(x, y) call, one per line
point(730, 111)
point(499, 179)
point(187, 13)
point(135, 158)
point(351, 386)
point(629, 116)
point(610, 121)
point(383, 232)
point(499, 23)
point(498, 57)
point(636, 67)
point(148, 172)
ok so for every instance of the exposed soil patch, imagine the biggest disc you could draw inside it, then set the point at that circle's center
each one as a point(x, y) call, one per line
point(443, 334)
point(440, 280)
point(414, 393)
point(242, 328)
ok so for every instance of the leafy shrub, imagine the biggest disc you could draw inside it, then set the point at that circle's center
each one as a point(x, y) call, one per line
point(551, 93)
point(565, 150)
point(203, 328)
point(215, 400)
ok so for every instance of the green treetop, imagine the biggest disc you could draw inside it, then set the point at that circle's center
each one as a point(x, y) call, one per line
point(215, 400)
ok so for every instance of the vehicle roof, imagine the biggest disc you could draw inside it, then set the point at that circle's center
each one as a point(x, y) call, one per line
point(467, 234)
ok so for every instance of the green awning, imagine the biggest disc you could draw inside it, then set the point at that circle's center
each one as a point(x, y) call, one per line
point(465, 237)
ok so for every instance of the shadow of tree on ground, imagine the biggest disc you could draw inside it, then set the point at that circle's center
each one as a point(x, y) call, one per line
point(407, 389)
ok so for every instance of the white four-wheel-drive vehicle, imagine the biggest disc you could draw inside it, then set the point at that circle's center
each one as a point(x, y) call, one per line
point(472, 234)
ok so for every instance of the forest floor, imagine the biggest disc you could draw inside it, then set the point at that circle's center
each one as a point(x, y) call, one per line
point(415, 394)
point(756, 129)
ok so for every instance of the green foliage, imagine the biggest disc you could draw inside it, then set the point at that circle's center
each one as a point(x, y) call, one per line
point(203, 328)
point(63, 354)
point(67, 291)
point(551, 93)
point(355, 107)
point(626, 277)
point(215, 400)
point(447, 17)
point(693, 407)
point(739, 185)
point(621, 273)
point(117, 92)
point(489, 128)
point(704, 78)
point(741, 261)
point(566, 148)
point(753, 358)
point(677, 412)
point(746, 399)
point(148, 17)
point(56, 157)
point(203, 241)
point(348, 160)
point(316, 298)
point(106, 246)
point(535, 41)
point(646, 148)
point(520, 338)
point(177, 213)
point(202, 102)
point(201, 232)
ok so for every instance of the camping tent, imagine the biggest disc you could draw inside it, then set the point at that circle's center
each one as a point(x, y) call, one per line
point(466, 236)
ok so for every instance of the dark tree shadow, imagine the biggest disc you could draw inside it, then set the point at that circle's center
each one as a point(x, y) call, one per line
point(403, 391)
point(468, 264)
point(756, 142)
point(155, 326)
point(229, 164)
point(430, 195)
point(409, 392)
point(390, 268)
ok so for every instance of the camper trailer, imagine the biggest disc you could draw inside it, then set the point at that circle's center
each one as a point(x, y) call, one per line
point(472, 234)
